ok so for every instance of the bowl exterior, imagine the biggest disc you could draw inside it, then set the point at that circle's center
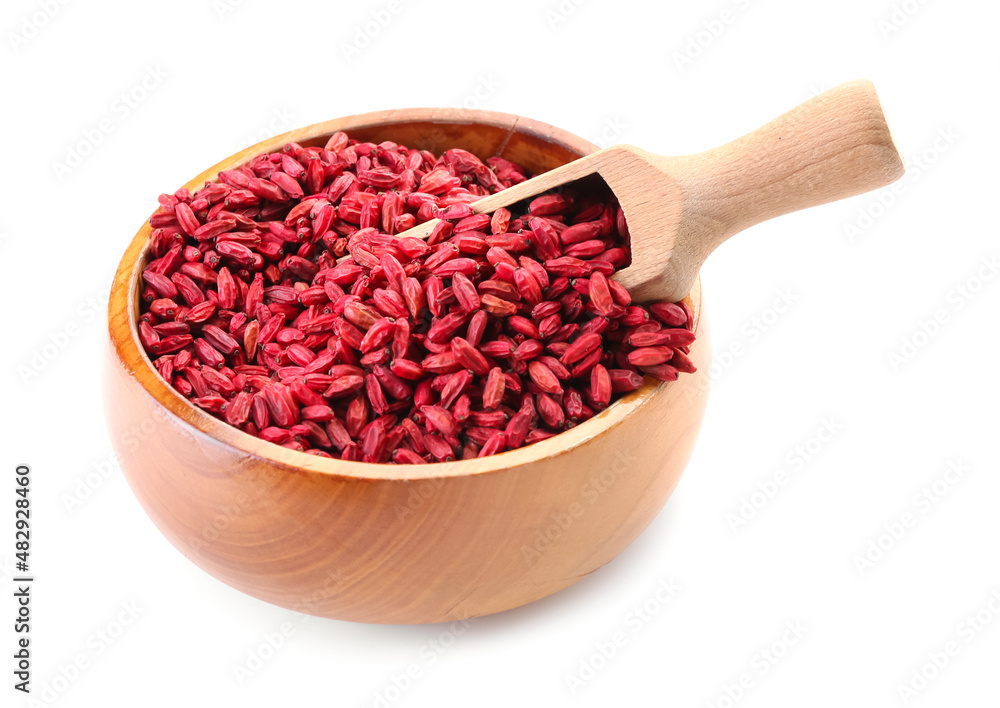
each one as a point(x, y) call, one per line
point(450, 543)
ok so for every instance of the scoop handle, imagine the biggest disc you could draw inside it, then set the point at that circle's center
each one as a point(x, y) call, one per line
point(833, 146)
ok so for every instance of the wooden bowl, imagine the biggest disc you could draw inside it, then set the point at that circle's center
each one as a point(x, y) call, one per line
point(399, 544)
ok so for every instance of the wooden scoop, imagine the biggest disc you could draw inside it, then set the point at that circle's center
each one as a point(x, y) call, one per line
point(679, 209)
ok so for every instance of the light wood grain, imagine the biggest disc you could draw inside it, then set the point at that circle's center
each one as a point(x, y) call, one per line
point(680, 209)
point(397, 543)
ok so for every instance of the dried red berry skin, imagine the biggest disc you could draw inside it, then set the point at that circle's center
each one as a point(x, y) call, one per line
point(281, 299)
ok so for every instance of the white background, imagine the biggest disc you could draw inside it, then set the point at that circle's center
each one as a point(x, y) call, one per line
point(221, 76)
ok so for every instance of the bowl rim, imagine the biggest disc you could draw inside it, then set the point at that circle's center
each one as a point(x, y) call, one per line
point(125, 344)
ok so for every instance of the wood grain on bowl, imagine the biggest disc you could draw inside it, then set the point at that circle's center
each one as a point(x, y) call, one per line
point(398, 543)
